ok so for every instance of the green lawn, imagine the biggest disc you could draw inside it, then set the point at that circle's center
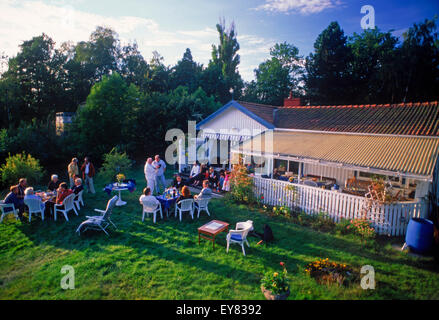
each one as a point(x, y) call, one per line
point(142, 260)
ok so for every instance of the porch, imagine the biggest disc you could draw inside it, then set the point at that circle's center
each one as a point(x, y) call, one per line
point(387, 219)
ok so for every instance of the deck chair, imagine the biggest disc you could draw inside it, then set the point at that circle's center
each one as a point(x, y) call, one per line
point(151, 207)
point(66, 206)
point(239, 235)
point(102, 221)
point(202, 204)
point(185, 205)
point(34, 206)
point(7, 208)
point(78, 200)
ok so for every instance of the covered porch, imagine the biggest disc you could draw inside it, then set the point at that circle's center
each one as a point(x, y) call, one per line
point(331, 172)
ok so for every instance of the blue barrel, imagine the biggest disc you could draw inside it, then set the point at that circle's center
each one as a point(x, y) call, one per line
point(419, 235)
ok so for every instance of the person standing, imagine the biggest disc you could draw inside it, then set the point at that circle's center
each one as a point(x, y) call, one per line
point(22, 185)
point(88, 172)
point(150, 174)
point(160, 165)
point(73, 171)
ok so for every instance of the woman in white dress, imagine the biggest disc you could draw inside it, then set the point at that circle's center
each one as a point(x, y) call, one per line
point(150, 174)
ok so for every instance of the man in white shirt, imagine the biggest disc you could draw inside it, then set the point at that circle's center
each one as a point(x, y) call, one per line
point(150, 174)
point(195, 171)
point(160, 165)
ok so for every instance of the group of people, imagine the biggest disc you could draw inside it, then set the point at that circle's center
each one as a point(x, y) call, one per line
point(218, 181)
point(155, 173)
point(184, 191)
point(60, 190)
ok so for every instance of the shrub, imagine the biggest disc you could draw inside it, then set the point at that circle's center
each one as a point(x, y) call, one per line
point(361, 227)
point(276, 282)
point(114, 163)
point(322, 222)
point(328, 272)
point(241, 186)
point(283, 210)
point(21, 166)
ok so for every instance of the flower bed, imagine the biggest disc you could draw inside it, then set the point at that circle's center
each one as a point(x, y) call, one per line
point(329, 272)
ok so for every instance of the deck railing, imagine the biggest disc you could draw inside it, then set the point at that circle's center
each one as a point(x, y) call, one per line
point(387, 219)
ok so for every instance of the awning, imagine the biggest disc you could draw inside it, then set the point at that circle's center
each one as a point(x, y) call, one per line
point(222, 136)
point(404, 155)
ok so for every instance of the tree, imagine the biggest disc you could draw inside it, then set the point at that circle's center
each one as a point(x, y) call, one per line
point(419, 61)
point(276, 77)
point(34, 78)
point(106, 119)
point(158, 74)
point(186, 73)
point(328, 68)
point(373, 67)
point(225, 61)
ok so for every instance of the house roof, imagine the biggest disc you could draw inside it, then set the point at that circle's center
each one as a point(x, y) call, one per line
point(407, 155)
point(263, 111)
point(259, 113)
point(418, 119)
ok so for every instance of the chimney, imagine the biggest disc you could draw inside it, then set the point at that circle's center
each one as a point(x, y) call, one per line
point(291, 101)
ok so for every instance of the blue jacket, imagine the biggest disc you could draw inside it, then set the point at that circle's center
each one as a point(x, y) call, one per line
point(12, 198)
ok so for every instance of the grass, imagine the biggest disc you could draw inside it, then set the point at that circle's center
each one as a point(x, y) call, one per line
point(142, 260)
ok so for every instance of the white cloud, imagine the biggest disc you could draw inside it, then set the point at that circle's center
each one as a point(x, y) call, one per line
point(20, 21)
point(301, 6)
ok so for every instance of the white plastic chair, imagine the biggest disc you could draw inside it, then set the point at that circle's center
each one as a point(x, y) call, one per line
point(101, 222)
point(79, 200)
point(151, 207)
point(3, 206)
point(34, 206)
point(202, 204)
point(68, 205)
point(239, 235)
point(185, 205)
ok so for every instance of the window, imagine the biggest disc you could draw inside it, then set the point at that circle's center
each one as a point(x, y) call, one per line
point(294, 167)
point(281, 165)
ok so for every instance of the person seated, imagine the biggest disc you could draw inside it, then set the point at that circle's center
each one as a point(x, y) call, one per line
point(222, 177)
point(148, 197)
point(78, 187)
point(12, 197)
point(54, 183)
point(276, 174)
point(194, 172)
point(178, 182)
point(205, 193)
point(185, 194)
point(213, 178)
point(62, 192)
point(22, 185)
point(29, 194)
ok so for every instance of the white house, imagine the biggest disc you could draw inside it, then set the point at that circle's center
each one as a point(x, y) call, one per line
point(314, 148)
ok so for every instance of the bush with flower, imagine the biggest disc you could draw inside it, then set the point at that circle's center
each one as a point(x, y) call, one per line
point(361, 227)
point(282, 210)
point(241, 186)
point(326, 271)
point(276, 282)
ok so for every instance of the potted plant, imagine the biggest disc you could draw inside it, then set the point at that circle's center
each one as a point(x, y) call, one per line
point(274, 285)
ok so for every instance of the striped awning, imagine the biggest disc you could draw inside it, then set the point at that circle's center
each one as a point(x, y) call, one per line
point(409, 155)
point(222, 136)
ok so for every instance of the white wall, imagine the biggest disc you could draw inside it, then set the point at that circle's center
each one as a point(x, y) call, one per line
point(233, 118)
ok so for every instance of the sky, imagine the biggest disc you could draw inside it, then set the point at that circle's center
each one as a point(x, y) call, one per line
point(171, 26)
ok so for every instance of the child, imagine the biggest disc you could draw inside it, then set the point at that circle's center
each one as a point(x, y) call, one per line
point(221, 180)
point(226, 183)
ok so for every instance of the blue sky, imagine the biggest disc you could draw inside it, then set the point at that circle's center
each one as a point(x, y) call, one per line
point(170, 26)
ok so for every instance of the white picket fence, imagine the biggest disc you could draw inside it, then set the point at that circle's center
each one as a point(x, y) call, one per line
point(388, 219)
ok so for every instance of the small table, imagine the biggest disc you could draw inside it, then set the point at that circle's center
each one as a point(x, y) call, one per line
point(120, 187)
point(211, 229)
point(166, 203)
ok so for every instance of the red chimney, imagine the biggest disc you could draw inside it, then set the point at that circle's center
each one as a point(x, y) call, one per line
point(291, 101)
